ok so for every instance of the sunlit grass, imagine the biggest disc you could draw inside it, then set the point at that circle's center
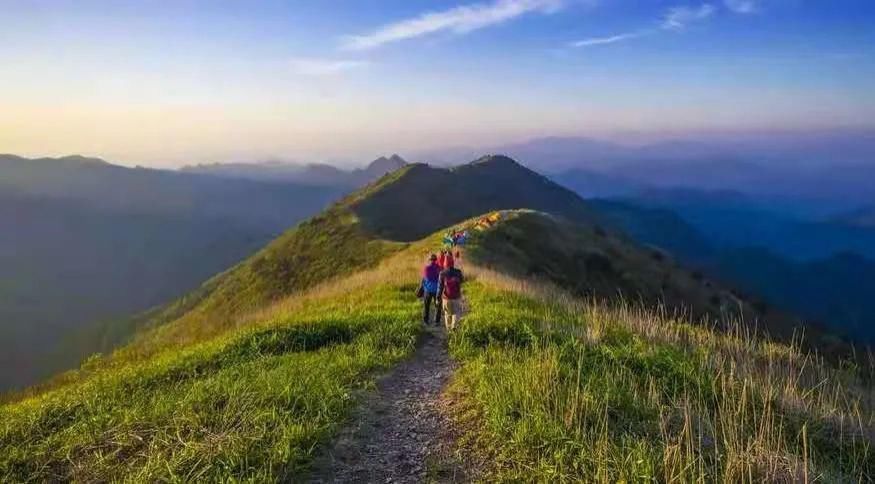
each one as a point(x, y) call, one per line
point(567, 389)
point(252, 404)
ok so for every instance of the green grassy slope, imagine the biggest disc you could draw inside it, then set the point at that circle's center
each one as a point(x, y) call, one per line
point(328, 246)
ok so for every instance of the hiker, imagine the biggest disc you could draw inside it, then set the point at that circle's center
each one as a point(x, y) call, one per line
point(449, 260)
point(446, 259)
point(450, 290)
point(430, 275)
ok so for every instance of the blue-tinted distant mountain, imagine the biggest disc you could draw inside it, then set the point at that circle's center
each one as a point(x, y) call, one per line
point(827, 172)
point(592, 184)
point(276, 171)
point(731, 220)
point(864, 218)
point(318, 174)
point(83, 241)
point(657, 227)
point(834, 290)
point(837, 290)
point(814, 190)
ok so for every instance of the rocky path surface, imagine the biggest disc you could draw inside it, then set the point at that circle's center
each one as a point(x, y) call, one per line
point(402, 433)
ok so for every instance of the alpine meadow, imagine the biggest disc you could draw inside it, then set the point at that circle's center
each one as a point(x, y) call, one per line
point(598, 241)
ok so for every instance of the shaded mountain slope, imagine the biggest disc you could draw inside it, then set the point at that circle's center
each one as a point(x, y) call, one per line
point(425, 198)
point(830, 291)
point(864, 217)
point(658, 227)
point(69, 273)
point(589, 262)
point(836, 291)
point(86, 244)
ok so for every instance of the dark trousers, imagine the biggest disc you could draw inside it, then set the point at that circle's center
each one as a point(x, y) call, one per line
point(430, 300)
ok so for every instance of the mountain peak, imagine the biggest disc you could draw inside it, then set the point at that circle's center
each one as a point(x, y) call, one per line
point(422, 198)
point(496, 160)
point(81, 160)
point(386, 165)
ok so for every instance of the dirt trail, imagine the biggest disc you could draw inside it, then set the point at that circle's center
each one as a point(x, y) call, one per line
point(402, 433)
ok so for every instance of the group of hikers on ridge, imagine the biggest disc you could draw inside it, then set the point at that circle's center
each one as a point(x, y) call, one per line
point(441, 289)
point(441, 286)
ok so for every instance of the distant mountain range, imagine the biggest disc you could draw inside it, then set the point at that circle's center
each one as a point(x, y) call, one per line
point(85, 243)
point(817, 173)
point(864, 217)
point(732, 220)
point(581, 352)
point(804, 268)
point(95, 243)
point(318, 174)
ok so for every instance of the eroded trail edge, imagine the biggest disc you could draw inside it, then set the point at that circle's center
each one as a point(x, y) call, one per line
point(402, 432)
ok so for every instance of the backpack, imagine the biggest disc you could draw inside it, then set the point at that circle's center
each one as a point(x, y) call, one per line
point(452, 285)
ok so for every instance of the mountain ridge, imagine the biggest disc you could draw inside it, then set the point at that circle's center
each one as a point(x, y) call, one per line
point(317, 174)
point(396, 212)
point(551, 372)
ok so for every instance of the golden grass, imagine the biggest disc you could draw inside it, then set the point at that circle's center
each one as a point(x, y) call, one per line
point(769, 411)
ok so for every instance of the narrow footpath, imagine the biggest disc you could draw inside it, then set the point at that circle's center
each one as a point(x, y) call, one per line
point(402, 432)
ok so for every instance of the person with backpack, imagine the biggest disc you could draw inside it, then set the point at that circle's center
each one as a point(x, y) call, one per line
point(450, 291)
point(429, 289)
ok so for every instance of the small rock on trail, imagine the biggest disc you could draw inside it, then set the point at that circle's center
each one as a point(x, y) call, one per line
point(402, 433)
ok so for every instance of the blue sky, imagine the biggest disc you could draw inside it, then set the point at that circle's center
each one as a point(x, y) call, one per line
point(168, 83)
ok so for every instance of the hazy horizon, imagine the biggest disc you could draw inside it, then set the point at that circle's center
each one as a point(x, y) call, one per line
point(320, 81)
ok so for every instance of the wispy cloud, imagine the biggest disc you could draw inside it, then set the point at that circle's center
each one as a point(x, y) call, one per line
point(460, 20)
point(316, 67)
point(678, 18)
point(613, 39)
point(742, 6)
point(675, 19)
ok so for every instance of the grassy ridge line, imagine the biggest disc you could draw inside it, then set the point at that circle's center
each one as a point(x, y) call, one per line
point(249, 405)
point(565, 389)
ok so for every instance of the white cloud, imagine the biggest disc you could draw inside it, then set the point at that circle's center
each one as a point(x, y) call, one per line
point(678, 18)
point(613, 39)
point(742, 6)
point(462, 19)
point(324, 67)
